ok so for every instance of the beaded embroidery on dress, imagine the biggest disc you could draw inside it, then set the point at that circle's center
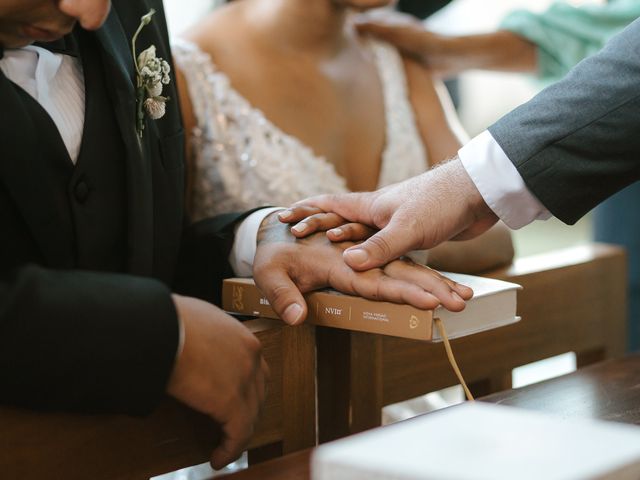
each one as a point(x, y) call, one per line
point(243, 161)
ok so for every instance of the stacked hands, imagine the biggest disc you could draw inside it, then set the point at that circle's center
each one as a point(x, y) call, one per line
point(286, 266)
point(357, 259)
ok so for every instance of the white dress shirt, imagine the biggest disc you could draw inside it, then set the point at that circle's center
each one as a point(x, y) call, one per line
point(499, 182)
point(56, 82)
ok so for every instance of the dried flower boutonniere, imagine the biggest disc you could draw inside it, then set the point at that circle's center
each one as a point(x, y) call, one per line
point(152, 75)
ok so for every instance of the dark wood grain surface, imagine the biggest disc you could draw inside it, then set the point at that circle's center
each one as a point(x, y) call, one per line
point(606, 391)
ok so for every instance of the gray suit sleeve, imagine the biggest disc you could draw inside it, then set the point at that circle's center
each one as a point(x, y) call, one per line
point(578, 141)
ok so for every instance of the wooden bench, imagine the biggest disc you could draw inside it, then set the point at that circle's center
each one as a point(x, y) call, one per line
point(115, 447)
point(573, 300)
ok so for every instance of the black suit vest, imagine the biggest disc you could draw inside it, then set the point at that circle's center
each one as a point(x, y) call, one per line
point(92, 193)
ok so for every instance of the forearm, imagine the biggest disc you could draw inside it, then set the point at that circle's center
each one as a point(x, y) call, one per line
point(447, 56)
point(502, 50)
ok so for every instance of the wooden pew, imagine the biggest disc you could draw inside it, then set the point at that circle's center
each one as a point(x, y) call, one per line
point(573, 300)
point(115, 447)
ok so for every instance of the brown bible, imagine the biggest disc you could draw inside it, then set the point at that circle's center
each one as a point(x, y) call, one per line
point(493, 305)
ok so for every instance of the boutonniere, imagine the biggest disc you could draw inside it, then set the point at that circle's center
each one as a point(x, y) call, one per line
point(152, 74)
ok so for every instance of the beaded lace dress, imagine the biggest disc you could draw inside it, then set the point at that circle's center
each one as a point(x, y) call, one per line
point(243, 161)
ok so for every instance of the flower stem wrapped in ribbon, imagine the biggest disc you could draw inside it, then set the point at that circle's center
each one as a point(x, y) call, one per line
point(152, 74)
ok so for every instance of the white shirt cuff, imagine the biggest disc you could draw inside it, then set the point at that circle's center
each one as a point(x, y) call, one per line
point(500, 183)
point(246, 242)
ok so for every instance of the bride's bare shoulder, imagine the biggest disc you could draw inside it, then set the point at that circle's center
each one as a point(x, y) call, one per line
point(219, 29)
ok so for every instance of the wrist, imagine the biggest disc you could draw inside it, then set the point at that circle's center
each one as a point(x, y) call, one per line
point(467, 202)
point(271, 228)
point(474, 202)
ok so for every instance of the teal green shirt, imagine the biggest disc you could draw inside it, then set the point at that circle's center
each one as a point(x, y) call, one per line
point(565, 34)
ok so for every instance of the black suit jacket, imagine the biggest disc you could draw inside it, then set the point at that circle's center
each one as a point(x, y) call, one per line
point(578, 141)
point(98, 334)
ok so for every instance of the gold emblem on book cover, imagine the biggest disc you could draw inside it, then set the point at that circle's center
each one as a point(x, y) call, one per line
point(414, 322)
point(238, 303)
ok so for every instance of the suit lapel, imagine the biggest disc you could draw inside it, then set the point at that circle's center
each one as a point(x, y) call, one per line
point(24, 171)
point(118, 63)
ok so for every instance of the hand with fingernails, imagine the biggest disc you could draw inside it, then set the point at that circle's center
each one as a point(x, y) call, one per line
point(419, 213)
point(286, 267)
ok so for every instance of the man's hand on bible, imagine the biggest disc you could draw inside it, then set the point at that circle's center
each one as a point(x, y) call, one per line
point(417, 214)
point(221, 373)
point(285, 267)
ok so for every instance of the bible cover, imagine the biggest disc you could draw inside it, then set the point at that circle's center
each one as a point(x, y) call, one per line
point(493, 305)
